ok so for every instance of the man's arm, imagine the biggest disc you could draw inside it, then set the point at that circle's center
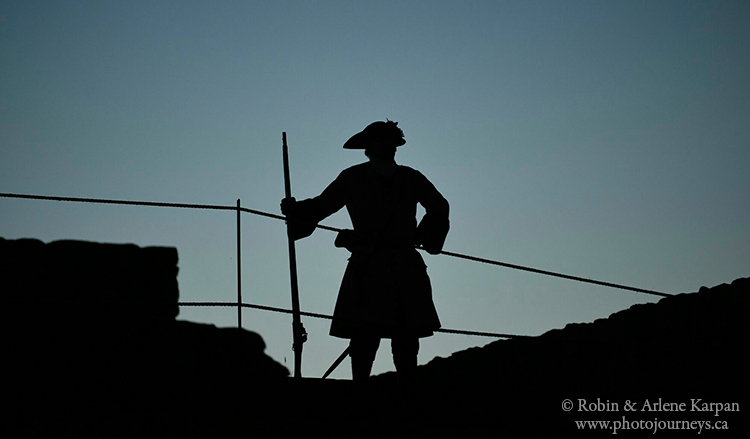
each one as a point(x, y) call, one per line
point(433, 229)
point(305, 215)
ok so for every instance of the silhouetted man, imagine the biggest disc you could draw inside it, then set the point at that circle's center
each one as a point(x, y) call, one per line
point(386, 292)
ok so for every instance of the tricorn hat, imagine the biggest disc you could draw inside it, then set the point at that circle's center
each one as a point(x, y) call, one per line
point(377, 134)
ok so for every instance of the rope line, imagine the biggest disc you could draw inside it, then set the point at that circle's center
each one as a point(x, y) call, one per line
point(332, 229)
point(328, 317)
point(550, 273)
point(127, 202)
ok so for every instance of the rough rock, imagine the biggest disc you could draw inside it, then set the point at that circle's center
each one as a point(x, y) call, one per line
point(92, 347)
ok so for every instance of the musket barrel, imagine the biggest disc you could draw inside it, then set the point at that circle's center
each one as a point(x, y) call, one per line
point(297, 329)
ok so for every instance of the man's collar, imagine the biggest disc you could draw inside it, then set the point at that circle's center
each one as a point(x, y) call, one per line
point(385, 168)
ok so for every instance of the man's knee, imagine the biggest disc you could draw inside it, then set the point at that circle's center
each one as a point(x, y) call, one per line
point(364, 347)
point(362, 351)
point(405, 346)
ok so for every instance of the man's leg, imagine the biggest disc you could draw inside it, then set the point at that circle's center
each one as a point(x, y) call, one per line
point(405, 350)
point(362, 350)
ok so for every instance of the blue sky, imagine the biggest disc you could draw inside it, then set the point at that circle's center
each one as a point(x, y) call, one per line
point(600, 139)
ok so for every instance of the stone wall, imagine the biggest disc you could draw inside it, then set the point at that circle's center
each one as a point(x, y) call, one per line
point(89, 282)
point(92, 346)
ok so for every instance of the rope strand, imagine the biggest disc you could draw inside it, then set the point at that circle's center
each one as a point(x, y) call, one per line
point(329, 317)
point(550, 273)
point(332, 229)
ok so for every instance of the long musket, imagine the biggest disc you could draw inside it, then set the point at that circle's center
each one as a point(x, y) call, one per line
point(298, 331)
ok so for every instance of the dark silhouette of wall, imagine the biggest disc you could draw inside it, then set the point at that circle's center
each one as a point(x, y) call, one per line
point(683, 347)
point(93, 347)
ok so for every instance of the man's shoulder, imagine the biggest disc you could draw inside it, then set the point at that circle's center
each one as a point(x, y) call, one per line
point(411, 172)
point(355, 170)
point(408, 169)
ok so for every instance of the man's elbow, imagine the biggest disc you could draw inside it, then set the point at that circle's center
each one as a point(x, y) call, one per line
point(443, 208)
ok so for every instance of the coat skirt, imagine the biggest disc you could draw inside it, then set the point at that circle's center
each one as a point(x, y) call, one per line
point(385, 294)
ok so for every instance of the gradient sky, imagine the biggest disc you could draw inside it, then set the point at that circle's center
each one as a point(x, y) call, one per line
point(600, 139)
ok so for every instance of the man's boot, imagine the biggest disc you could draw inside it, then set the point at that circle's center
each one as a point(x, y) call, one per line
point(362, 350)
point(405, 350)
